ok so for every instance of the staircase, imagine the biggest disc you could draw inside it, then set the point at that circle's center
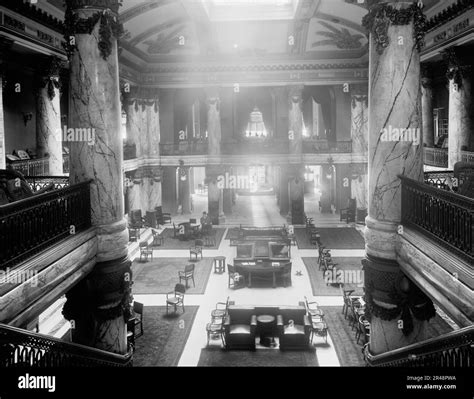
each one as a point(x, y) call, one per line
point(21, 348)
point(455, 349)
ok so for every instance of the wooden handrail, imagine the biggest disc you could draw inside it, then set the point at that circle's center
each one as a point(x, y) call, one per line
point(454, 349)
point(21, 347)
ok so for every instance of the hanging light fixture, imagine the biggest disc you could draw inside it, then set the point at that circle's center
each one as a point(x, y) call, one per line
point(256, 126)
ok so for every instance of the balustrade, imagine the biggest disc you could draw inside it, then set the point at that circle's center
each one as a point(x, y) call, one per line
point(31, 225)
point(435, 157)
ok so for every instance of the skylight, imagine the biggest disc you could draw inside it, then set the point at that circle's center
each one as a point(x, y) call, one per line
point(223, 10)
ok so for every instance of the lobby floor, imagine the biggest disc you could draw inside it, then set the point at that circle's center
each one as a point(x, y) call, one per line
point(258, 211)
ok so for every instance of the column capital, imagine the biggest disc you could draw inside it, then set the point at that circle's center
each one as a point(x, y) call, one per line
point(458, 66)
point(295, 92)
point(383, 15)
point(212, 93)
point(48, 74)
point(358, 90)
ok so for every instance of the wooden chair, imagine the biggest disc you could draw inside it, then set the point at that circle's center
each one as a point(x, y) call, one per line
point(133, 235)
point(221, 309)
point(196, 249)
point(131, 332)
point(175, 298)
point(215, 329)
point(319, 328)
point(145, 251)
point(363, 329)
point(313, 308)
point(236, 280)
point(187, 274)
point(349, 213)
point(138, 317)
point(346, 296)
point(136, 221)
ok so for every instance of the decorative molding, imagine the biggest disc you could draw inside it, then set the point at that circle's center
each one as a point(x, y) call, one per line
point(109, 27)
point(341, 38)
point(381, 16)
point(457, 70)
point(451, 12)
point(112, 5)
point(48, 75)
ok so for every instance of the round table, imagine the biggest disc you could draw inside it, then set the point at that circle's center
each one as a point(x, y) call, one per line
point(265, 324)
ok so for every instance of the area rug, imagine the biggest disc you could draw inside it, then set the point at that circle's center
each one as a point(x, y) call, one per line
point(216, 357)
point(164, 336)
point(349, 352)
point(332, 238)
point(161, 275)
point(350, 273)
point(173, 243)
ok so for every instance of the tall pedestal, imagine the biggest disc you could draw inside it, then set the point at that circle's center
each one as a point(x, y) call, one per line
point(460, 135)
point(427, 108)
point(48, 116)
point(99, 306)
point(395, 147)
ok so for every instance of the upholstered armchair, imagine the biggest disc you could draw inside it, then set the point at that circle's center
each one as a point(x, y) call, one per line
point(294, 329)
point(239, 328)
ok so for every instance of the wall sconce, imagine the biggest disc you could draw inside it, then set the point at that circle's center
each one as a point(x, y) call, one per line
point(27, 116)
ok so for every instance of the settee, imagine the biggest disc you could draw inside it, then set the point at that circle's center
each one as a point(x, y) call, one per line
point(292, 326)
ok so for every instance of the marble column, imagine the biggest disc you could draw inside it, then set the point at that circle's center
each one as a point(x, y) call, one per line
point(48, 115)
point(99, 306)
point(134, 126)
point(152, 110)
point(184, 193)
point(213, 121)
point(227, 196)
point(296, 193)
point(427, 107)
point(360, 141)
point(2, 127)
point(214, 196)
point(284, 199)
point(395, 148)
point(460, 133)
point(295, 116)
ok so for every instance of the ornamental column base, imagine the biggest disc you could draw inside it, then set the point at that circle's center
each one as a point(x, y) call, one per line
point(396, 308)
point(99, 307)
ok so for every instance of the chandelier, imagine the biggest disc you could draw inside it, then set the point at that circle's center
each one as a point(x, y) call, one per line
point(256, 127)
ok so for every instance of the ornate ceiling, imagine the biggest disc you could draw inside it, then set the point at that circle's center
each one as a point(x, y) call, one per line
point(176, 31)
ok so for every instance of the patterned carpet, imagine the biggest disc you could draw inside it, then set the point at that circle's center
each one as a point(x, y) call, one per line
point(161, 275)
point(215, 357)
point(164, 336)
point(332, 238)
point(354, 273)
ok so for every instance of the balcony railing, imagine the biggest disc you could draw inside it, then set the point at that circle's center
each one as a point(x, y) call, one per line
point(439, 179)
point(326, 147)
point(39, 182)
point(445, 217)
point(255, 146)
point(467, 156)
point(20, 348)
point(190, 147)
point(455, 349)
point(435, 157)
point(37, 167)
point(33, 224)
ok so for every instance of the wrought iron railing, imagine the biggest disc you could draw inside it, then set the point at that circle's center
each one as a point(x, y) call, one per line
point(189, 147)
point(20, 348)
point(439, 179)
point(443, 216)
point(32, 167)
point(39, 182)
point(455, 349)
point(467, 156)
point(31, 225)
point(255, 146)
point(435, 157)
point(326, 147)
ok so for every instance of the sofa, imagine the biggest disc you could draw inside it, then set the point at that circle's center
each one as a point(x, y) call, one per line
point(292, 326)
